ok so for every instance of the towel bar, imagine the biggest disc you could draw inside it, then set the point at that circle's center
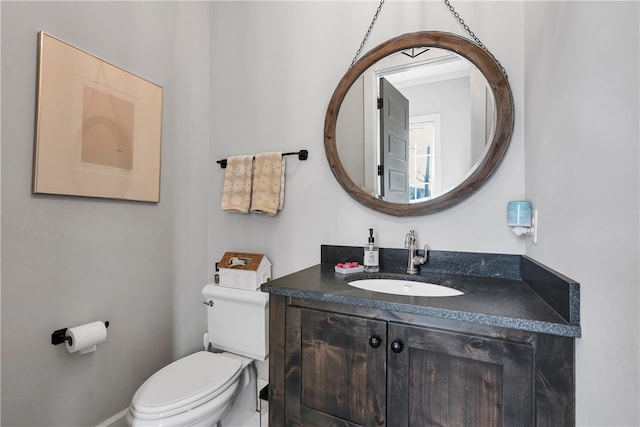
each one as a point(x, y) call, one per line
point(302, 155)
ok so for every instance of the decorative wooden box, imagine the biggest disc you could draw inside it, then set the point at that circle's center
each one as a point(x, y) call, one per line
point(243, 270)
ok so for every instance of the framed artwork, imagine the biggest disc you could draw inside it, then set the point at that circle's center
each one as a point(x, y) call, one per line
point(98, 127)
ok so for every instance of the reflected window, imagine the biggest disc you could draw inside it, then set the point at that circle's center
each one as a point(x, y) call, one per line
point(423, 148)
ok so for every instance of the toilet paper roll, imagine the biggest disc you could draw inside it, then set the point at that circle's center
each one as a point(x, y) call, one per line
point(84, 338)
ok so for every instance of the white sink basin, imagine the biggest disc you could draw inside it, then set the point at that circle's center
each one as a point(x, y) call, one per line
point(405, 287)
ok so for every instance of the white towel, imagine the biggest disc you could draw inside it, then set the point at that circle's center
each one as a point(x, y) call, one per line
point(268, 183)
point(236, 192)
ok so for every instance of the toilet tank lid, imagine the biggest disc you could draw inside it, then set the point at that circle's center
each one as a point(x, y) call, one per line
point(191, 379)
point(240, 295)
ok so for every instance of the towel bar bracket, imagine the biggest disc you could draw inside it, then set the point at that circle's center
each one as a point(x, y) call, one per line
point(302, 154)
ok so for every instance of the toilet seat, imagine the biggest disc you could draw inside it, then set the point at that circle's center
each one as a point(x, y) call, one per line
point(185, 384)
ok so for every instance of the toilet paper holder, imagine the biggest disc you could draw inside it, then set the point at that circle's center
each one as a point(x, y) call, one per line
point(58, 337)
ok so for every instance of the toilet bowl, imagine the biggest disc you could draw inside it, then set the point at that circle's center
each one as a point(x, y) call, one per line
point(200, 389)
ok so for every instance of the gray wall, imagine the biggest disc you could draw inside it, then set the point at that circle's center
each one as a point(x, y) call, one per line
point(66, 260)
point(582, 137)
point(273, 67)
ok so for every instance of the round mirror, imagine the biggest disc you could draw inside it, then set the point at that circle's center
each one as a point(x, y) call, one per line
point(419, 123)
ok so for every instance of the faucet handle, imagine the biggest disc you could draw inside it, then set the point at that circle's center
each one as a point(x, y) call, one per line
point(426, 253)
point(420, 260)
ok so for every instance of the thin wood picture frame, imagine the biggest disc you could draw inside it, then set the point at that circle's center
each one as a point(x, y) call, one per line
point(98, 127)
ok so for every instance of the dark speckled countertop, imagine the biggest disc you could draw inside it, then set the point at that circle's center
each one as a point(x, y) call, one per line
point(510, 291)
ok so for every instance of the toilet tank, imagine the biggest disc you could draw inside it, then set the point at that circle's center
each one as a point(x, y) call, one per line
point(238, 320)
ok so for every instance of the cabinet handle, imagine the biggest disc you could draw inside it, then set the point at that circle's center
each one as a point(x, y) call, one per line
point(397, 346)
point(476, 344)
point(374, 341)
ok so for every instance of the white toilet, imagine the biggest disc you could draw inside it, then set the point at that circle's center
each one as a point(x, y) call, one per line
point(199, 389)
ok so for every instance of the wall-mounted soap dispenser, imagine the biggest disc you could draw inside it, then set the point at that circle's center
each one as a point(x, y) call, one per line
point(522, 219)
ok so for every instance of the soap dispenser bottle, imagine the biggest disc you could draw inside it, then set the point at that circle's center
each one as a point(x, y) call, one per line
point(371, 259)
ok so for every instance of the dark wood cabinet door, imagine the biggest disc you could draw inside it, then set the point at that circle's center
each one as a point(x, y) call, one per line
point(439, 378)
point(335, 372)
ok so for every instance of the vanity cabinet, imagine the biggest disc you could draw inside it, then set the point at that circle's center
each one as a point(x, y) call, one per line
point(333, 364)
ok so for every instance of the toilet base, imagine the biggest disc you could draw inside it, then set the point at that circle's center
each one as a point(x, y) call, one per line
point(244, 405)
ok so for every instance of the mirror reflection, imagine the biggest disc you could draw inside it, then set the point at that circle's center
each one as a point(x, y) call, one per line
point(415, 124)
point(358, 138)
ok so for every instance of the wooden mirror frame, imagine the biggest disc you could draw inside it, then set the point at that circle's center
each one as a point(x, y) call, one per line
point(493, 153)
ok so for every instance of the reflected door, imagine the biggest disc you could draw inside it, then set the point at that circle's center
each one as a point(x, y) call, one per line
point(394, 143)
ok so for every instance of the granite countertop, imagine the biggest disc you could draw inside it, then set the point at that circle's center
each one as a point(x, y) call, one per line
point(490, 298)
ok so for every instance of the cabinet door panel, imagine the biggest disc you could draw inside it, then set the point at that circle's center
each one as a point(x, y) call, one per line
point(335, 377)
point(454, 379)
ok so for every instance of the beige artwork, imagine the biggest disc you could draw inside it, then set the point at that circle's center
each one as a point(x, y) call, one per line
point(98, 127)
point(107, 129)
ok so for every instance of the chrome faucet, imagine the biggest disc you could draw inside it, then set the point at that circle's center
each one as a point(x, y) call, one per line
point(414, 260)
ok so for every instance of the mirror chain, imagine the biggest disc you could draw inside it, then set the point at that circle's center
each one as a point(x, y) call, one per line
point(473, 36)
point(455, 14)
point(366, 36)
